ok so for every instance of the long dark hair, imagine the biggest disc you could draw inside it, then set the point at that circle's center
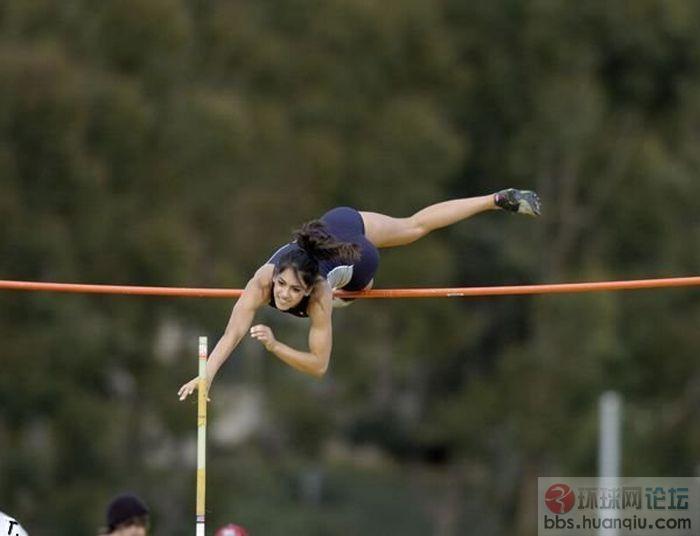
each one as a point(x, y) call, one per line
point(315, 244)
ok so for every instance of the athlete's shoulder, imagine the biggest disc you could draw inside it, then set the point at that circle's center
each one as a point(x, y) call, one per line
point(263, 275)
point(321, 298)
point(259, 286)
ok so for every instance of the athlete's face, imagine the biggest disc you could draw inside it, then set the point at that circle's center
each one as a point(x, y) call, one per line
point(289, 290)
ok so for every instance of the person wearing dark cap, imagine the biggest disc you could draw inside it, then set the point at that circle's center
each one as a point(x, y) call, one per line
point(127, 515)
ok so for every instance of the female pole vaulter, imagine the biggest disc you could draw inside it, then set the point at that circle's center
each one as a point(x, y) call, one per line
point(338, 251)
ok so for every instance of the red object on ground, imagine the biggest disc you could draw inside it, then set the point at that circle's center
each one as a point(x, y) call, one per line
point(231, 530)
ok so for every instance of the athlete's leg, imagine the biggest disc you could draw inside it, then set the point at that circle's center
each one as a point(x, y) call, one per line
point(385, 231)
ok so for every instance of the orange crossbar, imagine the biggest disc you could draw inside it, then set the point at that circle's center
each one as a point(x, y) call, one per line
point(559, 288)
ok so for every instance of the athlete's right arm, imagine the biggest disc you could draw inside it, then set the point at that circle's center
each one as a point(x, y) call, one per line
point(255, 295)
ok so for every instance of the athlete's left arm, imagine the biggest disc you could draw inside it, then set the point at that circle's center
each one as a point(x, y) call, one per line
point(315, 361)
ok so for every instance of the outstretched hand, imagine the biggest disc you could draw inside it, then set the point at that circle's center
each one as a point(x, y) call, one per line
point(264, 334)
point(189, 388)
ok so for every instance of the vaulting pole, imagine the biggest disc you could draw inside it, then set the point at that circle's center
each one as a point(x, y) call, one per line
point(201, 438)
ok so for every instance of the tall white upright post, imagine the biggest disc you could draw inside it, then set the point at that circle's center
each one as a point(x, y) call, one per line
point(609, 443)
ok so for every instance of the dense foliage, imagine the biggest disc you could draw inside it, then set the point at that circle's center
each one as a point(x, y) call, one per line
point(178, 142)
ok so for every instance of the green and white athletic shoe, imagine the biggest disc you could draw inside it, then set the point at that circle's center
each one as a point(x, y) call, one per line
point(520, 201)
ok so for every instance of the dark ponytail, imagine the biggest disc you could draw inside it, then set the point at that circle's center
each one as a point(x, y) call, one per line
point(315, 244)
point(314, 238)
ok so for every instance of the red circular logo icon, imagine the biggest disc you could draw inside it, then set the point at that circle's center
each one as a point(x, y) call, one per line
point(559, 498)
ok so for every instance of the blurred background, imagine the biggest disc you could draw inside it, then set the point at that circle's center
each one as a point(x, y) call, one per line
point(179, 142)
